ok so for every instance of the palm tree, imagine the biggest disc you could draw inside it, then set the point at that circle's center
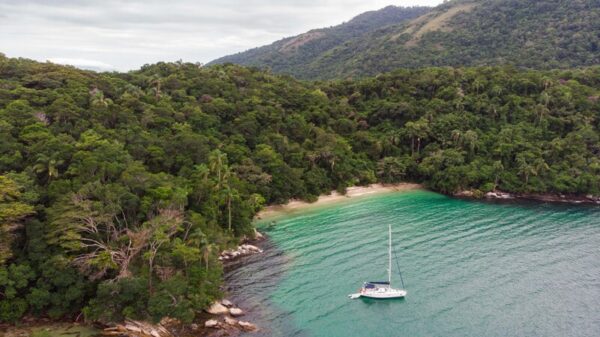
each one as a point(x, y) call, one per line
point(541, 111)
point(530, 164)
point(478, 84)
point(456, 135)
point(525, 168)
point(206, 250)
point(229, 193)
point(48, 165)
point(133, 90)
point(98, 99)
point(218, 164)
point(417, 131)
point(156, 81)
point(470, 139)
point(497, 167)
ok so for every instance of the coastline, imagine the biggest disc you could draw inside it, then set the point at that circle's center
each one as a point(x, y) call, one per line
point(536, 197)
point(263, 242)
point(334, 197)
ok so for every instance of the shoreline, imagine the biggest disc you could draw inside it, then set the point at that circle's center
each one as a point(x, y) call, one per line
point(296, 205)
point(554, 198)
point(334, 197)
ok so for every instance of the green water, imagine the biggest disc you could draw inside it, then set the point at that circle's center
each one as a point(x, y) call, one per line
point(470, 268)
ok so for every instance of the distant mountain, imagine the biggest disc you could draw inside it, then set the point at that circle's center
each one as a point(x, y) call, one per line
point(539, 34)
point(291, 55)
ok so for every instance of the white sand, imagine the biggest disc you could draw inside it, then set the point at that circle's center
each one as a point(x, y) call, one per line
point(352, 192)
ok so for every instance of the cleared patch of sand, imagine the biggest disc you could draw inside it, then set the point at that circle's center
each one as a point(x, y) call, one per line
point(352, 192)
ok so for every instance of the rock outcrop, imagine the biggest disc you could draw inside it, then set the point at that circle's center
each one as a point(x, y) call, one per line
point(211, 323)
point(247, 326)
point(137, 329)
point(235, 312)
point(217, 309)
point(242, 250)
point(227, 322)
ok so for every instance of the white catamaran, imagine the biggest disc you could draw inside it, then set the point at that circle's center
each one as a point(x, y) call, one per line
point(382, 290)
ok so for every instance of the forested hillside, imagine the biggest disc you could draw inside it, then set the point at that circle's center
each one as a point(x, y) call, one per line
point(117, 190)
point(292, 54)
point(536, 34)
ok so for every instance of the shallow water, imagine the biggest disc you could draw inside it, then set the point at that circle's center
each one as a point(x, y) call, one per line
point(470, 268)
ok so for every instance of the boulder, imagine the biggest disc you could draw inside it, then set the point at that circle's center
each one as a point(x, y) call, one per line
point(498, 195)
point(227, 303)
point(168, 321)
point(464, 194)
point(230, 321)
point(247, 326)
point(211, 323)
point(251, 248)
point(235, 312)
point(217, 309)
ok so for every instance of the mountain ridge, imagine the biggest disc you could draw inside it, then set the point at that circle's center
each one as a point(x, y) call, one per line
point(544, 34)
point(320, 40)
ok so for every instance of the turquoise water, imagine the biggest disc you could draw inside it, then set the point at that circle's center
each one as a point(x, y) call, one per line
point(470, 268)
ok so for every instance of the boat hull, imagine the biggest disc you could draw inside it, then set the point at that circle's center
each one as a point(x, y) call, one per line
point(380, 295)
point(385, 295)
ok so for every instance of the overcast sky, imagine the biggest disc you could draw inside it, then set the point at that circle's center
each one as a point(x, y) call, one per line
point(124, 35)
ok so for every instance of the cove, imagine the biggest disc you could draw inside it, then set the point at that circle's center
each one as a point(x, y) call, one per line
point(471, 269)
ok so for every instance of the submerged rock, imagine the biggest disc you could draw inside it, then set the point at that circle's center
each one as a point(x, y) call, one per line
point(226, 303)
point(247, 326)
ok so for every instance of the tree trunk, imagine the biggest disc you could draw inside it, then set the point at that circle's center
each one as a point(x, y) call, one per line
point(150, 272)
point(229, 210)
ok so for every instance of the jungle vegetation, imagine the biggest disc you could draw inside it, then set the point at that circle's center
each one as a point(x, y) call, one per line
point(118, 190)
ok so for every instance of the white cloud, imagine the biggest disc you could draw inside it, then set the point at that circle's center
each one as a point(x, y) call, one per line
point(83, 63)
point(127, 34)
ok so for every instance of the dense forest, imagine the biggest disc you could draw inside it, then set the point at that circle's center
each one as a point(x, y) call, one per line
point(535, 34)
point(292, 54)
point(118, 190)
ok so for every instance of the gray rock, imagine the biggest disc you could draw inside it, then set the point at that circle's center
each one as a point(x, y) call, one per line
point(236, 312)
point(211, 323)
point(247, 326)
point(217, 309)
point(230, 321)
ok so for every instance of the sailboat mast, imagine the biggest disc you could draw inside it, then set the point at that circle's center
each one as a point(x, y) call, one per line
point(390, 256)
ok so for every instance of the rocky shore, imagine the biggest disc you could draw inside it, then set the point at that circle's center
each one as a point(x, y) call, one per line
point(226, 316)
point(242, 250)
point(543, 197)
point(222, 318)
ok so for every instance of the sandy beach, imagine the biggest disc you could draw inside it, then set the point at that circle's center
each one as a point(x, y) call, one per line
point(352, 192)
